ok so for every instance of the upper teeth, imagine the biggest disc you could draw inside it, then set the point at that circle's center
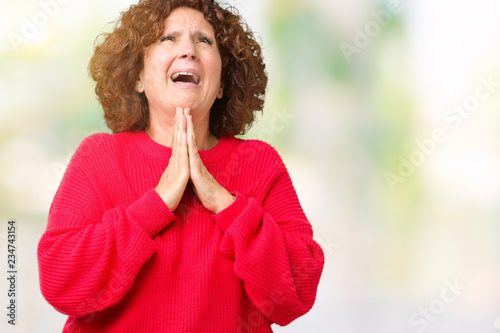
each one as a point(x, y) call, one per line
point(177, 74)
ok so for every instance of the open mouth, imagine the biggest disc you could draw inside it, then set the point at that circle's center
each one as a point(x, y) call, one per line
point(185, 77)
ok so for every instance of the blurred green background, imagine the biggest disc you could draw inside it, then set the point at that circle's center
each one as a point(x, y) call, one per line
point(385, 112)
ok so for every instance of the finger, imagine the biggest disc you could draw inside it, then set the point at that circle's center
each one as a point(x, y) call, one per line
point(194, 157)
point(183, 154)
point(182, 129)
point(190, 132)
point(179, 125)
point(174, 136)
point(186, 113)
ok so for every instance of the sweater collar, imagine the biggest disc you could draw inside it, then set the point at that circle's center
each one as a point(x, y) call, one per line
point(154, 149)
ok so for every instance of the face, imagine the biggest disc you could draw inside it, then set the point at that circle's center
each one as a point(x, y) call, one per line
point(183, 69)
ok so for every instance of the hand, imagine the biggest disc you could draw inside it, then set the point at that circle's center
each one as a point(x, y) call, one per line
point(212, 195)
point(176, 176)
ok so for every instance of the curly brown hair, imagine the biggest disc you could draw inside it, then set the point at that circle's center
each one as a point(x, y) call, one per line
point(118, 60)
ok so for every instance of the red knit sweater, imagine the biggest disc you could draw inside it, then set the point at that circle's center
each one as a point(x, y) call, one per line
point(114, 258)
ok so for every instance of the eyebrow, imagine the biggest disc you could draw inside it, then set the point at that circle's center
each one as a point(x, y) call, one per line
point(197, 33)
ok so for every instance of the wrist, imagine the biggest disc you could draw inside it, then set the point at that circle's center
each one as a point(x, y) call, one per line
point(226, 201)
point(167, 200)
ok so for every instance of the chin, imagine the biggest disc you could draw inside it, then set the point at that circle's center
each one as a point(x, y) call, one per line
point(183, 103)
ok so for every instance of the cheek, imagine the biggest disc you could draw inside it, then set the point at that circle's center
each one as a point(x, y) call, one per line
point(216, 69)
point(156, 62)
point(155, 71)
point(219, 65)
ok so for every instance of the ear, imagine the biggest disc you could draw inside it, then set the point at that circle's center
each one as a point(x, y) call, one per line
point(139, 87)
point(221, 92)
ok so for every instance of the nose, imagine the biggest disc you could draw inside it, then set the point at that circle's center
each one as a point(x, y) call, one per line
point(188, 50)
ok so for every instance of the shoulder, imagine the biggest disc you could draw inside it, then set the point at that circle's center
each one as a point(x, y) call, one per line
point(97, 144)
point(257, 147)
point(103, 139)
point(95, 153)
point(99, 148)
point(258, 152)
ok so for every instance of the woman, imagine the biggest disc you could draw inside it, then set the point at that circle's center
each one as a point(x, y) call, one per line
point(171, 224)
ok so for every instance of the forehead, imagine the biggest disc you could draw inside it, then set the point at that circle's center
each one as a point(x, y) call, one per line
point(187, 18)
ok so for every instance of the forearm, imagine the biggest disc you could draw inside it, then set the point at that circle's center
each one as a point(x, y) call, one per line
point(280, 264)
point(86, 266)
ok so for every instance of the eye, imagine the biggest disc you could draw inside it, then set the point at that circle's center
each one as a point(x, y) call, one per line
point(205, 40)
point(168, 38)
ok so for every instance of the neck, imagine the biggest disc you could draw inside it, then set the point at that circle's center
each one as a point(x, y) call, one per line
point(162, 131)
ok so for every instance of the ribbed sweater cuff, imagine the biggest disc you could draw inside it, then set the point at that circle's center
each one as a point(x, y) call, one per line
point(151, 212)
point(226, 217)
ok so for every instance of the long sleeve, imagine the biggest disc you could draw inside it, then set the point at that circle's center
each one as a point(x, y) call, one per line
point(93, 248)
point(116, 259)
point(269, 238)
